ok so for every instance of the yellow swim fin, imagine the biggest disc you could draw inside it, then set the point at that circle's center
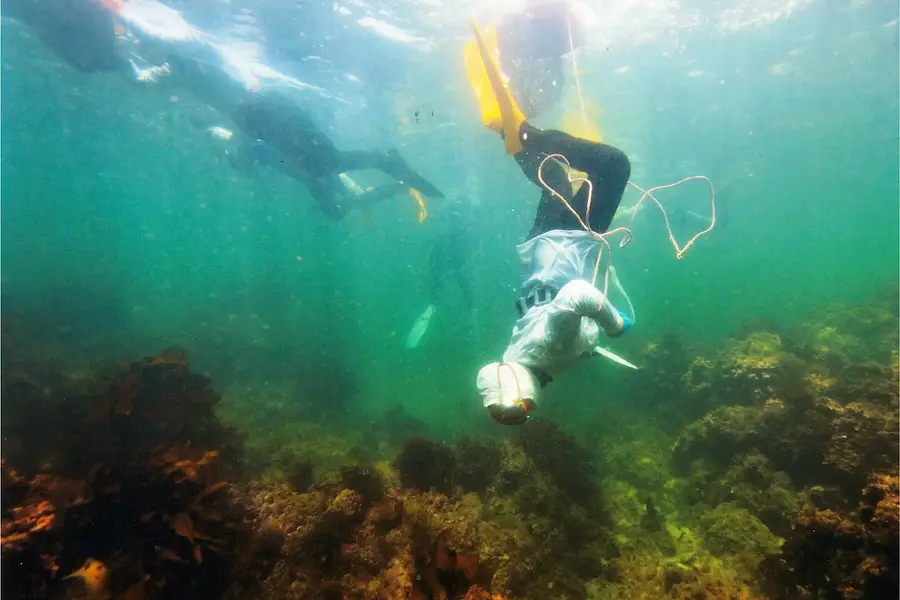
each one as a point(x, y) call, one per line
point(498, 107)
point(415, 195)
point(478, 78)
point(574, 123)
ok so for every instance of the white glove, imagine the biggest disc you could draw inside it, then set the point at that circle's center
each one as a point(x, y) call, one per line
point(149, 75)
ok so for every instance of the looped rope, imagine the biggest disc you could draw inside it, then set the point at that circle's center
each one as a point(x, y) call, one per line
point(679, 251)
point(601, 237)
point(628, 235)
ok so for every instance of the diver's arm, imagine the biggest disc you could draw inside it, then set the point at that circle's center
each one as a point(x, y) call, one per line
point(154, 41)
point(578, 299)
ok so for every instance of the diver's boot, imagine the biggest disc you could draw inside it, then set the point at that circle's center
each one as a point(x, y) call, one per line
point(394, 165)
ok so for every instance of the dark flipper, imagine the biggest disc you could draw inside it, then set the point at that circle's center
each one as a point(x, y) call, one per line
point(394, 165)
point(375, 195)
point(335, 201)
point(390, 163)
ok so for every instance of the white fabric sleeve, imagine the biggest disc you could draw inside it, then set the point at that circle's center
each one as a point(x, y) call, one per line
point(579, 299)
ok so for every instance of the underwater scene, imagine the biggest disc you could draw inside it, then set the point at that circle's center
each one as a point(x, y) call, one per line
point(471, 300)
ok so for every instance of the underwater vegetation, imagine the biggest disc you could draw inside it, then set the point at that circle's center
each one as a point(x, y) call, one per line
point(116, 482)
point(763, 468)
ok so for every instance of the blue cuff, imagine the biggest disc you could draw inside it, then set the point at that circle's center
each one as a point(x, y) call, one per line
point(626, 325)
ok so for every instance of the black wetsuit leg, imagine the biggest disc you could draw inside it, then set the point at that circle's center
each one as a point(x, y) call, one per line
point(280, 122)
point(437, 262)
point(335, 201)
point(327, 196)
point(465, 285)
point(608, 169)
point(390, 163)
point(307, 154)
point(449, 255)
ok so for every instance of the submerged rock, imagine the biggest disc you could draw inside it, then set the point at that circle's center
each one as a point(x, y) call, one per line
point(838, 554)
point(425, 465)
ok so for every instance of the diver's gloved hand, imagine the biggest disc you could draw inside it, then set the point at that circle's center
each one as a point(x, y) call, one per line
point(149, 75)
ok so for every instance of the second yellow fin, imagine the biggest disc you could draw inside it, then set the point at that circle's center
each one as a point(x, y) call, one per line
point(414, 193)
point(499, 110)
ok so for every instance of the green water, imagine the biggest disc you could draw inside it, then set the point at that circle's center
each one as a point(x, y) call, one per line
point(124, 232)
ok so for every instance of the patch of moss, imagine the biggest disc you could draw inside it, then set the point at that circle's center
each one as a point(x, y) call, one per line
point(478, 463)
point(729, 529)
point(426, 465)
point(568, 464)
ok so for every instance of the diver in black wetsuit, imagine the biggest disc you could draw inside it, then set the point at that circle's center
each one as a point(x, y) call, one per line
point(449, 255)
point(447, 260)
point(103, 36)
point(305, 153)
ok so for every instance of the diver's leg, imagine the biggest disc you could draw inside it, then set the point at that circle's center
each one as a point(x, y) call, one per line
point(551, 212)
point(436, 264)
point(607, 168)
point(280, 122)
point(390, 163)
point(245, 154)
point(327, 196)
point(448, 259)
point(356, 160)
point(376, 195)
point(553, 172)
point(551, 215)
point(336, 201)
point(455, 253)
point(465, 286)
